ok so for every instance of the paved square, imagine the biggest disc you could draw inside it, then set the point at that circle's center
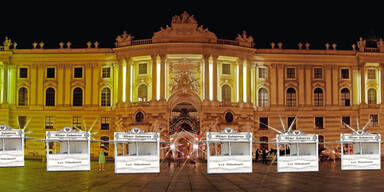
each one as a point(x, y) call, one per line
point(33, 177)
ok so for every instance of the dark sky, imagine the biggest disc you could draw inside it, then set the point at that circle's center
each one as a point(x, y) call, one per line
point(289, 23)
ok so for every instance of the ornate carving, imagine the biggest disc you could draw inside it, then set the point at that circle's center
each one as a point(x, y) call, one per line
point(183, 80)
point(184, 28)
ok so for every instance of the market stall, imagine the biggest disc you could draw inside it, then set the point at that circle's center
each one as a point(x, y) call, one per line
point(68, 150)
point(11, 147)
point(137, 151)
point(297, 152)
point(360, 151)
point(229, 152)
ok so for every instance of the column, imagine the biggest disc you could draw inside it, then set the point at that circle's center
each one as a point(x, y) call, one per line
point(162, 77)
point(67, 84)
point(60, 84)
point(301, 79)
point(335, 85)
point(249, 81)
point(33, 77)
point(280, 84)
point(240, 83)
point(120, 81)
point(206, 77)
point(96, 91)
point(273, 77)
point(356, 86)
point(40, 85)
point(88, 84)
point(328, 84)
point(363, 91)
point(214, 60)
point(154, 77)
point(5, 83)
point(381, 82)
point(128, 62)
point(308, 85)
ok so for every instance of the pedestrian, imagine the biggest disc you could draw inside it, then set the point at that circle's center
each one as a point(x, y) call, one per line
point(102, 158)
point(257, 154)
point(264, 154)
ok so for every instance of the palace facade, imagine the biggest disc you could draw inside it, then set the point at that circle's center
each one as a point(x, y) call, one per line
point(187, 79)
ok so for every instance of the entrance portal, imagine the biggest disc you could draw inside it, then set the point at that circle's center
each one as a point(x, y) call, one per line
point(184, 130)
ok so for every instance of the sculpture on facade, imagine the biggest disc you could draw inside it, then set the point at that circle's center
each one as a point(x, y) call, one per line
point(184, 80)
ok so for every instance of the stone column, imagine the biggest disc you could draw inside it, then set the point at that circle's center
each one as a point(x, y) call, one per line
point(240, 83)
point(128, 93)
point(328, 85)
point(355, 86)
point(96, 91)
point(335, 85)
point(88, 84)
point(154, 77)
point(40, 85)
point(280, 84)
point(382, 82)
point(60, 84)
point(120, 81)
point(214, 59)
point(273, 78)
point(249, 81)
point(363, 91)
point(5, 83)
point(206, 77)
point(162, 77)
point(33, 77)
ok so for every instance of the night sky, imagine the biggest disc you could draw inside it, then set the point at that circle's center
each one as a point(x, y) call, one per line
point(314, 23)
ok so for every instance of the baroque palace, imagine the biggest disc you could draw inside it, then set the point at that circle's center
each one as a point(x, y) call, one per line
point(186, 79)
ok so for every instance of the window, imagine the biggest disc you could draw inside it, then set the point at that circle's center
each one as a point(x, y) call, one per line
point(318, 73)
point(291, 73)
point(106, 97)
point(104, 123)
point(104, 144)
point(264, 145)
point(23, 72)
point(372, 96)
point(263, 97)
point(345, 73)
point(228, 117)
point(76, 122)
point(78, 72)
point(143, 68)
point(23, 96)
point(50, 97)
point(226, 68)
point(291, 97)
point(262, 72)
point(106, 72)
point(371, 74)
point(319, 122)
point(22, 120)
point(50, 72)
point(78, 97)
point(139, 116)
point(346, 121)
point(48, 122)
point(374, 120)
point(345, 97)
point(263, 123)
point(226, 93)
point(142, 93)
point(292, 122)
point(318, 97)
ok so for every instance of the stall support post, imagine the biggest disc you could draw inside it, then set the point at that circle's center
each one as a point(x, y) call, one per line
point(3, 146)
point(229, 149)
point(298, 150)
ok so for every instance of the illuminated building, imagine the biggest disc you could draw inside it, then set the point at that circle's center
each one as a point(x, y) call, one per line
point(186, 78)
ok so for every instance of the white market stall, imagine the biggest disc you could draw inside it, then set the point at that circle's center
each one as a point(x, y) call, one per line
point(297, 152)
point(137, 151)
point(11, 147)
point(70, 150)
point(360, 151)
point(229, 152)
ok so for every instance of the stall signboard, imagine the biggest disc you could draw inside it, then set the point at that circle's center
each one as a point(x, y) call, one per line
point(11, 147)
point(146, 155)
point(297, 152)
point(74, 154)
point(238, 159)
point(360, 151)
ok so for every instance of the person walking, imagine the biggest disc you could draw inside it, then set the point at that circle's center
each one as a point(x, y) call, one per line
point(102, 158)
point(264, 156)
point(257, 154)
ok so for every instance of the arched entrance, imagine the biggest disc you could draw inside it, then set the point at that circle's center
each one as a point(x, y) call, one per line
point(184, 130)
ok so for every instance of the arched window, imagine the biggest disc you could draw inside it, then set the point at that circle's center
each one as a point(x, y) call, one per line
point(264, 145)
point(372, 96)
point(318, 97)
point(291, 97)
point(263, 97)
point(345, 97)
point(106, 97)
point(78, 97)
point(142, 93)
point(23, 96)
point(226, 93)
point(50, 97)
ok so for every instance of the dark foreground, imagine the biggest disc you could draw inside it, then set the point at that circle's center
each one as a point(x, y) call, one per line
point(33, 177)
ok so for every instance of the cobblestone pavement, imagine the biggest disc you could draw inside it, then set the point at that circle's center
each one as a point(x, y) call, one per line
point(34, 177)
